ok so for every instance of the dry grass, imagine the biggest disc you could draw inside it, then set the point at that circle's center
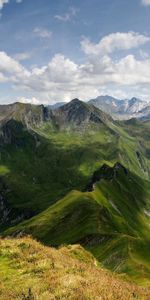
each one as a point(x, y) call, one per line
point(28, 268)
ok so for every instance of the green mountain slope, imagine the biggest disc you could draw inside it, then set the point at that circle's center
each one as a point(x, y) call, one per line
point(77, 176)
point(112, 221)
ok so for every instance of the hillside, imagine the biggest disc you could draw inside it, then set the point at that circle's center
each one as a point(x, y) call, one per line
point(67, 273)
point(112, 221)
point(74, 175)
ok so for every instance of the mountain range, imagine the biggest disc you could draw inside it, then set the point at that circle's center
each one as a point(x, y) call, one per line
point(75, 175)
point(124, 108)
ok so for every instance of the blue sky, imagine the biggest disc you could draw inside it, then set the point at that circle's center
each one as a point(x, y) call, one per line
point(56, 50)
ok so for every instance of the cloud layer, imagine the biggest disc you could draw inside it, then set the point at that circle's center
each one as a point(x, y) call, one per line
point(64, 79)
point(113, 42)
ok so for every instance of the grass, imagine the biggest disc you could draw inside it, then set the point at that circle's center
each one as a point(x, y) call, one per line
point(27, 267)
point(110, 221)
point(49, 163)
point(45, 172)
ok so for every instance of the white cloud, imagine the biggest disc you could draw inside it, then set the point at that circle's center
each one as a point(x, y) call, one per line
point(63, 79)
point(3, 2)
point(113, 42)
point(145, 2)
point(42, 33)
point(72, 12)
point(10, 67)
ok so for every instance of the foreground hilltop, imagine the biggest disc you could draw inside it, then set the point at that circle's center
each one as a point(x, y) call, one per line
point(70, 273)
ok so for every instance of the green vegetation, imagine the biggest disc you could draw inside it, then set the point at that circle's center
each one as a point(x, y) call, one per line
point(29, 270)
point(112, 222)
point(45, 169)
point(48, 164)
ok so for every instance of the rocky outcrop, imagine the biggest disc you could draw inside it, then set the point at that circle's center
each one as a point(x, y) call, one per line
point(27, 114)
point(73, 115)
point(107, 173)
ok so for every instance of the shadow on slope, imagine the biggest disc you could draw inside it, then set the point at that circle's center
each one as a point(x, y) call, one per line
point(112, 221)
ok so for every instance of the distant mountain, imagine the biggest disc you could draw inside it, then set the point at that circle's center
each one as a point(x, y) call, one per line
point(121, 109)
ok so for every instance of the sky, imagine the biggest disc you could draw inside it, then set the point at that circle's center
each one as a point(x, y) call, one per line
point(57, 50)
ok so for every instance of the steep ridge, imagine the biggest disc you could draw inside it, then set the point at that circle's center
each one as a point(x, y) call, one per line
point(75, 112)
point(47, 160)
point(112, 221)
point(28, 114)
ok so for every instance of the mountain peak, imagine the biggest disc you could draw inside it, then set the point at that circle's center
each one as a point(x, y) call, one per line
point(77, 113)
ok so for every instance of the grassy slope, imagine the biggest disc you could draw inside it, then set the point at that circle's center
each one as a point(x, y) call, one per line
point(53, 163)
point(67, 273)
point(51, 167)
point(112, 222)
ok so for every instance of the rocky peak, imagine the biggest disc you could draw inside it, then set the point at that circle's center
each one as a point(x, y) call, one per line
point(108, 173)
point(78, 113)
point(27, 114)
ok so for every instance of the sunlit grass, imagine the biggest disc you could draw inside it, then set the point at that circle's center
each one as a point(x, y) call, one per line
point(28, 268)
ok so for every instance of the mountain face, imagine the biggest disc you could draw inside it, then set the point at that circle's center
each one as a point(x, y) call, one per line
point(74, 175)
point(77, 113)
point(25, 113)
point(122, 109)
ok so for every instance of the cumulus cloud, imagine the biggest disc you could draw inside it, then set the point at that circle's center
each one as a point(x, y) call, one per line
point(11, 68)
point(63, 79)
point(145, 2)
point(113, 42)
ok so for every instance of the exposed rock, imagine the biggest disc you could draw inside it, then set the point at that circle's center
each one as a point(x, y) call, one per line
point(106, 172)
point(78, 113)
